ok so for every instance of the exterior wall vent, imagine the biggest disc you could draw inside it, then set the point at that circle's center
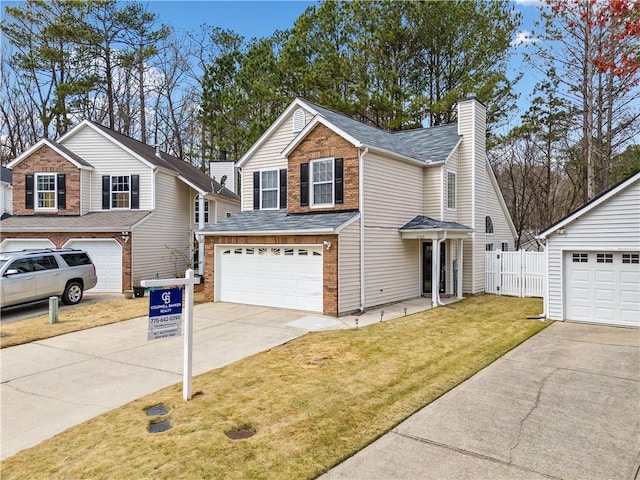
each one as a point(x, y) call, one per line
point(298, 120)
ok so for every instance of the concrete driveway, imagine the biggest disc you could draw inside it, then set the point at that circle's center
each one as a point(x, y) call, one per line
point(51, 385)
point(563, 405)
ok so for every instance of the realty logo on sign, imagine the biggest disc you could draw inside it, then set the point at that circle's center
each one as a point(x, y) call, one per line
point(165, 313)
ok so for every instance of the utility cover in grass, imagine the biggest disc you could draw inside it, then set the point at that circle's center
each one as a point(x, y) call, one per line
point(240, 434)
point(157, 410)
point(158, 427)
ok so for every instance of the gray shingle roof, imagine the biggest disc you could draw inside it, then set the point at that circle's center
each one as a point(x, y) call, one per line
point(427, 145)
point(71, 155)
point(426, 223)
point(192, 174)
point(91, 222)
point(279, 221)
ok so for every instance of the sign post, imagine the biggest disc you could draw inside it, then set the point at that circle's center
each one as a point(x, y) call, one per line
point(189, 281)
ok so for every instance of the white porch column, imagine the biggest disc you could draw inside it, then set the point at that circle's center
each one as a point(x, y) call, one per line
point(435, 272)
point(200, 237)
point(459, 280)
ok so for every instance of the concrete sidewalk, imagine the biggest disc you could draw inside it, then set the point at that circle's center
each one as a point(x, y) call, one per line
point(563, 405)
point(53, 384)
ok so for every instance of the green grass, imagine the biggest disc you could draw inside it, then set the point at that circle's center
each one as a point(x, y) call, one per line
point(314, 401)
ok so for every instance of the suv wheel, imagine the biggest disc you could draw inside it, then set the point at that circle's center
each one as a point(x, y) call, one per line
point(72, 293)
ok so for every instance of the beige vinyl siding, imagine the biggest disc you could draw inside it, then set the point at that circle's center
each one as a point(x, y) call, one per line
point(432, 191)
point(268, 156)
point(6, 198)
point(108, 158)
point(349, 269)
point(160, 245)
point(391, 264)
point(501, 229)
point(85, 191)
point(612, 225)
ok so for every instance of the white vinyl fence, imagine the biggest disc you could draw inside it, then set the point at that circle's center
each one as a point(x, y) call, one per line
point(518, 274)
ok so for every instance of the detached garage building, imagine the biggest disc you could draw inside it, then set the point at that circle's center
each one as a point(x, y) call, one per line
point(593, 260)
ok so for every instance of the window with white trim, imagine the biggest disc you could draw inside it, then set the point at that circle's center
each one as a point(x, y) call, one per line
point(488, 247)
point(604, 258)
point(120, 191)
point(630, 258)
point(197, 211)
point(505, 246)
point(269, 189)
point(322, 182)
point(451, 190)
point(46, 191)
point(580, 258)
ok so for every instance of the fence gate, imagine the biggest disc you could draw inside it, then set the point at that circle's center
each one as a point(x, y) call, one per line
point(518, 274)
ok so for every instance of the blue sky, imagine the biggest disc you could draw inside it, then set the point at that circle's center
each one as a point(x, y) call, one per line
point(263, 17)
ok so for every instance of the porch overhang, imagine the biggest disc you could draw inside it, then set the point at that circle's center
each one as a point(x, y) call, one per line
point(425, 228)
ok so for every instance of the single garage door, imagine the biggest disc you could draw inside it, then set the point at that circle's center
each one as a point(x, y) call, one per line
point(603, 287)
point(107, 257)
point(281, 276)
point(10, 244)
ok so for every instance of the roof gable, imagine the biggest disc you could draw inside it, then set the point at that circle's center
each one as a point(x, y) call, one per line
point(593, 203)
point(59, 149)
point(153, 158)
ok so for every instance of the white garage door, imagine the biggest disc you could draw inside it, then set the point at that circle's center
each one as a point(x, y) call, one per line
point(282, 276)
point(107, 257)
point(603, 287)
point(23, 243)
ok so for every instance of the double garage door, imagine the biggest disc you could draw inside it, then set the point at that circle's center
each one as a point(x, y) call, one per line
point(281, 276)
point(106, 255)
point(603, 287)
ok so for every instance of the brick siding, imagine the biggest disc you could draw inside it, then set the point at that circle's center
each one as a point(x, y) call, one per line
point(46, 160)
point(321, 142)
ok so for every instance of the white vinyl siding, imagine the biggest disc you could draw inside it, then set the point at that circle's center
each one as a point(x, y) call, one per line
point(267, 156)
point(349, 269)
point(85, 191)
point(613, 226)
point(392, 265)
point(433, 192)
point(501, 230)
point(166, 255)
point(109, 158)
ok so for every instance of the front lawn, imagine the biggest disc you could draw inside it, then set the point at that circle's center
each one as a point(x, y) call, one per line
point(313, 402)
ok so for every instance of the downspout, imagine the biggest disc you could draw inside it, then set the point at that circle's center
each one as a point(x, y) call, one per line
point(361, 206)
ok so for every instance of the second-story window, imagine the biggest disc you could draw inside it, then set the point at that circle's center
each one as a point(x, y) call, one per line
point(197, 210)
point(120, 191)
point(451, 190)
point(46, 191)
point(269, 189)
point(322, 182)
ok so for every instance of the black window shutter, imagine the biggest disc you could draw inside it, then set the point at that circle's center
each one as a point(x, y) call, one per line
point(62, 191)
point(283, 188)
point(256, 190)
point(135, 192)
point(304, 184)
point(339, 183)
point(106, 186)
point(28, 197)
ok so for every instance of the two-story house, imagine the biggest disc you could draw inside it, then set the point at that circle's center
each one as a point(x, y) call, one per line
point(133, 208)
point(338, 216)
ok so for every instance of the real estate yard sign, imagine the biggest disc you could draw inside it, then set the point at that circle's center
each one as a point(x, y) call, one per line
point(165, 313)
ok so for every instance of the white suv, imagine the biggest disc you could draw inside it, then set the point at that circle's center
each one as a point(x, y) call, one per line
point(32, 275)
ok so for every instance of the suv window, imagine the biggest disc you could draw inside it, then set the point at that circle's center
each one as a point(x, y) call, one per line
point(75, 259)
point(35, 264)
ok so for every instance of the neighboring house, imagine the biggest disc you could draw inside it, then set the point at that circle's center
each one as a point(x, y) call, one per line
point(6, 192)
point(132, 207)
point(338, 216)
point(593, 260)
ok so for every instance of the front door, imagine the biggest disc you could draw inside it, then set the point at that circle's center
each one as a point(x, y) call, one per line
point(427, 264)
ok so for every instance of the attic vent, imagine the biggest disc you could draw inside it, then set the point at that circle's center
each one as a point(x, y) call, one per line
point(298, 120)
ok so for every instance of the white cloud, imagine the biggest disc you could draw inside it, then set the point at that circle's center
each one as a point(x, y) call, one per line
point(528, 3)
point(523, 37)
